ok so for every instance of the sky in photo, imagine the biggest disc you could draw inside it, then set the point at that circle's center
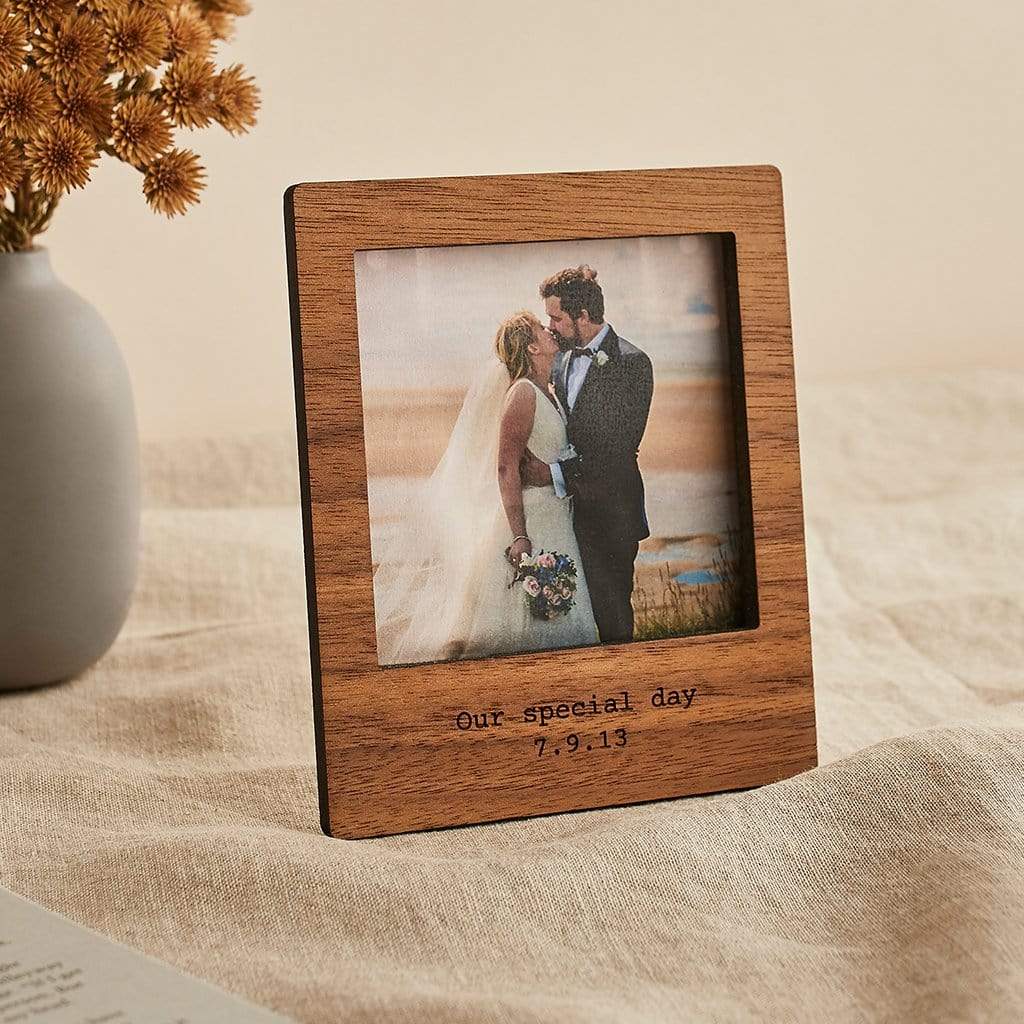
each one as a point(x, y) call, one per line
point(427, 317)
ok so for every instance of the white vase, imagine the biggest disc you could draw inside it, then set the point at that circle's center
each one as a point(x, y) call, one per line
point(69, 478)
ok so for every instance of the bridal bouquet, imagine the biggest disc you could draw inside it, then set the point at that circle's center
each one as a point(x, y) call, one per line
point(549, 581)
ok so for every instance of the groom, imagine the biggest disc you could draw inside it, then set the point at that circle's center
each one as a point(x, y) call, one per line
point(606, 384)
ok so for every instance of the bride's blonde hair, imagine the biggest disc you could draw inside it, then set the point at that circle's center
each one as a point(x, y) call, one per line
point(514, 335)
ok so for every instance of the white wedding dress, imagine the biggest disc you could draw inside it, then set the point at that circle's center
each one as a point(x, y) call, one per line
point(502, 623)
point(441, 589)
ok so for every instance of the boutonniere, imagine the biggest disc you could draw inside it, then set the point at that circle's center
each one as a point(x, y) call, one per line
point(601, 358)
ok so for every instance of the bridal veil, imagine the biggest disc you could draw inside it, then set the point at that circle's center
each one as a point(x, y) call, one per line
point(429, 573)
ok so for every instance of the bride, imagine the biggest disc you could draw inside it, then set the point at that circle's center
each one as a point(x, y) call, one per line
point(441, 586)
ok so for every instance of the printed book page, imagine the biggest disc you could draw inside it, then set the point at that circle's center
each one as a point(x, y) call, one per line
point(53, 971)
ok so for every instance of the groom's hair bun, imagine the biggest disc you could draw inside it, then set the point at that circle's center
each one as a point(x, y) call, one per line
point(578, 290)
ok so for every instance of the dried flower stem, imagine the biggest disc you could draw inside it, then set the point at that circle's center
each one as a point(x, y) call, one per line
point(29, 214)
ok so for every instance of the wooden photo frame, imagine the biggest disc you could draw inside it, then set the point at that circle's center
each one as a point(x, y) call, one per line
point(471, 739)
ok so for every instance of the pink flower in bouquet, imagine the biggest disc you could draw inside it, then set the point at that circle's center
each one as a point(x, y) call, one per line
point(531, 586)
point(549, 593)
point(546, 560)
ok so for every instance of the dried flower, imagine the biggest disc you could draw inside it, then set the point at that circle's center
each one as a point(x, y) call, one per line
point(141, 130)
point(173, 182)
point(71, 48)
point(12, 165)
point(60, 158)
point(13, 40)
point(87, 103)
point(188, 92)
point(137, 39)
point(81, 78)
point(220, 15)
point(188, 34)
point(40, 13)
point(26, 104)
point(221, 25)
point(235, 100)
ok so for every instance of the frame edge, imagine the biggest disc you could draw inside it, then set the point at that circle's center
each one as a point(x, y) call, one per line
point(302, 442)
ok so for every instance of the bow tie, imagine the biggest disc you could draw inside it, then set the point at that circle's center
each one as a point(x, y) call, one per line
point(576, 351)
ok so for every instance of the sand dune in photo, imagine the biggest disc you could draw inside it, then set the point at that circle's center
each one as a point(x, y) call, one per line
point(690, 427)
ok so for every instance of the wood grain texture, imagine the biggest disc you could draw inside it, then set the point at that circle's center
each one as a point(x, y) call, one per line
point(389, 757)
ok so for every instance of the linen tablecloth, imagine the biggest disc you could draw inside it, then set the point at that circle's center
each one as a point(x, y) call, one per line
point(167, 797)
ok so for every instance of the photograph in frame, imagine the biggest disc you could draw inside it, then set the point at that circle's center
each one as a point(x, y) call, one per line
point(640, 527)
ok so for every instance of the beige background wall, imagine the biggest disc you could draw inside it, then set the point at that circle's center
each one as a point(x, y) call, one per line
point(898, 129)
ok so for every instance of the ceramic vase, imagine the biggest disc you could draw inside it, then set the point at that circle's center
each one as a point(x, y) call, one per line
point(69, 478)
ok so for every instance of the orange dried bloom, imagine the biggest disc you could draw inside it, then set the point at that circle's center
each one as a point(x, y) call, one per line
point(188, 34)
point(141, 130)
point(40, 13)
point(71, 48)
point(236, 99)
point(26, 104)
point(13, 40)
point(136, 39)
point(188, 92)
point(87, 103)
point(173, 182)
point(60, 158)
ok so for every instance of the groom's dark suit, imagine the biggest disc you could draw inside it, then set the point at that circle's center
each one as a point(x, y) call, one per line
point(605, 426)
